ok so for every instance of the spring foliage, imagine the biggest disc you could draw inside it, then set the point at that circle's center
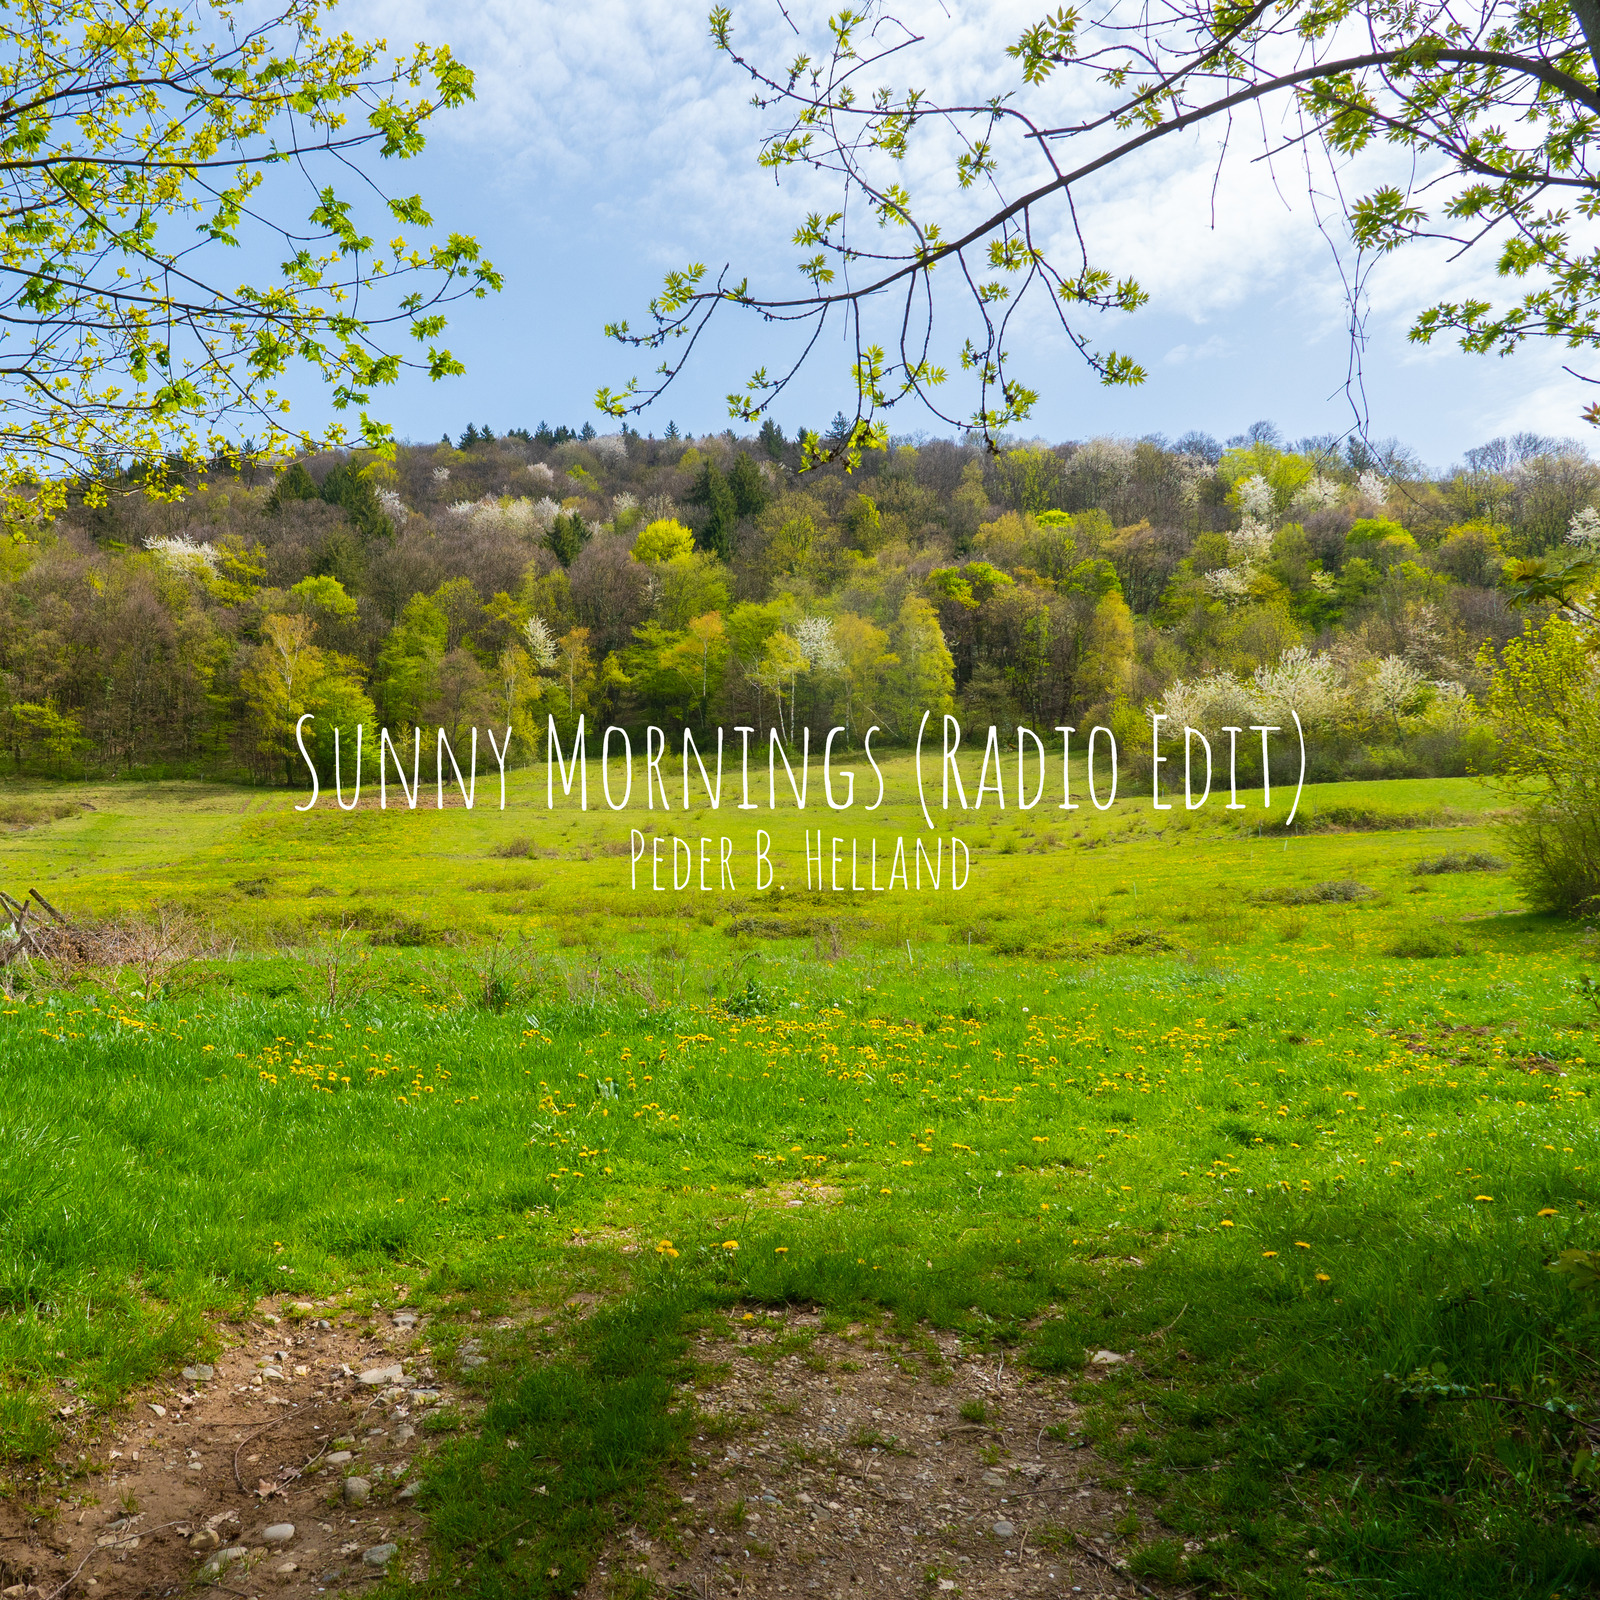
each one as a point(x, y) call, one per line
point(149, 151)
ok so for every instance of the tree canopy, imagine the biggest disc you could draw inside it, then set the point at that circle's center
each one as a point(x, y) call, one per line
point(1493, 104)
point(147, 149)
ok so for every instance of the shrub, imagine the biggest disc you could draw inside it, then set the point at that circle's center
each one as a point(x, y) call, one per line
point(1425, 942)
point(1459, 861)
point(1337, 892)
point(1543, 704)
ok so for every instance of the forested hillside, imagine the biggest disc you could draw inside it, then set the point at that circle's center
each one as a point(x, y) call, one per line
point(634, 580)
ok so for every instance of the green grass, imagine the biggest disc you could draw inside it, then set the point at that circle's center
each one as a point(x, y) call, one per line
point(1100, 1098)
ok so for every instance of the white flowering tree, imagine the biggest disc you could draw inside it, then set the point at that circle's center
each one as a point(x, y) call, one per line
point(1311, 686)
point(180, 553)
point(1395, 689)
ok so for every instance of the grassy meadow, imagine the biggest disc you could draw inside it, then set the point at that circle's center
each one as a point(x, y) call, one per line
point(1293, 1120)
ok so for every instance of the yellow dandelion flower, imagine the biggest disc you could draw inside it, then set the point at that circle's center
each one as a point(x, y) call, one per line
point(1483, 1197)
point(1226, 1223)
point(886, 1191)
point(730, 1244)
point(1269, 1253)
point(1322, 1277)
point(1549, 1211)
point(780, 1250)
point(1300, 1244)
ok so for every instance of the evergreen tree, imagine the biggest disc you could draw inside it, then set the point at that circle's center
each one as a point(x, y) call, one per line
point(751, 496)
point(713, 491)
point(294, 483)
point(588, 432)
point(772, 439)
point(346, 488)
point(672, 430)
point(568, 534)
point(469, 438)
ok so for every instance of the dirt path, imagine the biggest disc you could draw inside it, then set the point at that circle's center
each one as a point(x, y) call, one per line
point(849, 1466)
point(236, 1470)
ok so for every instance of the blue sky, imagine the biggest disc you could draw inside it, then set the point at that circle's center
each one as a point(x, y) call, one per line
point(609, 142)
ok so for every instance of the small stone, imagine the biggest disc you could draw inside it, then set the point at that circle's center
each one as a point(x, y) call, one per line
point(405, 1319)
point(160, 1411)
point(199, 1374)
point(424, 1397)
point(270, 1320)
point(379, 1555)
point(286, 1571)
point(1106, 1358)
point(205, 1539)
point(404, 1432)
point(338, 1458)
point(1003, 1529)
point(993, 1479)
point(223, 1559)
point(410, 1492)
point(376, 1377)
point(278, 1533)
point(356, 1491)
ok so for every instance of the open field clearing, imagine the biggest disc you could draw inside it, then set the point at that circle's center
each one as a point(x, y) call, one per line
point(1175, 1198)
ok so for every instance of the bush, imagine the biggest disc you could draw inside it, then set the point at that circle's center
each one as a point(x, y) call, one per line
point(1459, 861)
point(1545, 711)
point(1426, 942)
point(1339, 892)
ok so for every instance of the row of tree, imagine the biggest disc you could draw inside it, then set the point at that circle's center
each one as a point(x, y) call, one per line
point(633, 579)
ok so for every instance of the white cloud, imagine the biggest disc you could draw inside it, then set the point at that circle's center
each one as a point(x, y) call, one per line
point(1213, 347)
point(613, 136)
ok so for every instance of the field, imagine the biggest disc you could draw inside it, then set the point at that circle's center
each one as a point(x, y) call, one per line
point(1292, 1122)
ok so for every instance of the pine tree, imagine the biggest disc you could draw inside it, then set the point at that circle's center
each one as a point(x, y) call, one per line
point(294, 483)
point(469, 438)
point(713, 491)
point(772, 439)
point(672, 430)
point(749, 486)
point(354, 495)
point(568, 534)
